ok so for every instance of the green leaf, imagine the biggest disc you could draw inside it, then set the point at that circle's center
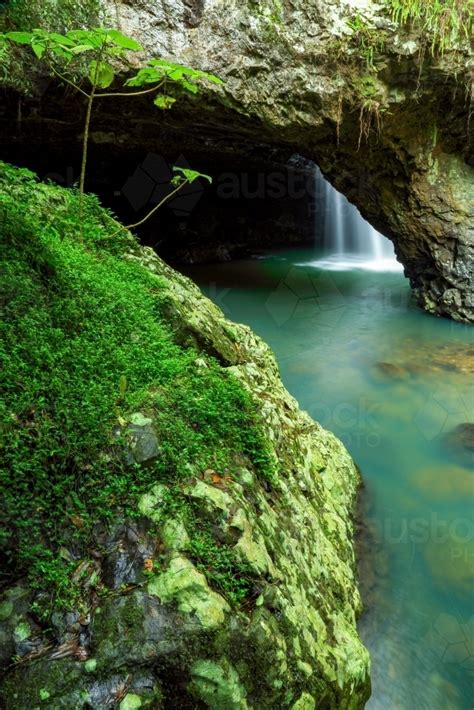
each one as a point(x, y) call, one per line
point(147, 75)
point(176, 72)
point(163, 101)
point(124, 42)
point(93, 37)
point(191, 175)
point(189, 86)
point(212, 78)
point(80, 48)
point(61, 39)
point(20, 37)
point(101, 74)
point(61, 52)
point(38, 48)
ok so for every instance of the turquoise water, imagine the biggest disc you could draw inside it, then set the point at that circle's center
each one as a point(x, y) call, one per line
point(391, 382)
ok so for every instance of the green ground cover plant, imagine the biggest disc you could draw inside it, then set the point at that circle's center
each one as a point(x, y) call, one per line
point(83, 346)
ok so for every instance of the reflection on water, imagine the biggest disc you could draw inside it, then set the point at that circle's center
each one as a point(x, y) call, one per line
point(392, 383)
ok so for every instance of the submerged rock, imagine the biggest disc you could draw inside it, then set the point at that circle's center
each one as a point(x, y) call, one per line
point(450, 557)
point(445, 482)
point(390, 371)
point(460, 443)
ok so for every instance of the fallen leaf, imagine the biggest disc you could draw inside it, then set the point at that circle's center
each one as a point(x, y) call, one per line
point(77, 521)
point(65, 554)
point(148, 565)
point(218, 480)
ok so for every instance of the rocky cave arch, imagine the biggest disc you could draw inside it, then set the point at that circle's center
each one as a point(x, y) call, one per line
point(395, 138)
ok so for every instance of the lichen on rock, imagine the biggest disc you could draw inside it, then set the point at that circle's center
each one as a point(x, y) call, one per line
point(232, 586)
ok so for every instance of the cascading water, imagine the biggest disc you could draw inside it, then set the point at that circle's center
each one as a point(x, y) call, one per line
point(347, 240)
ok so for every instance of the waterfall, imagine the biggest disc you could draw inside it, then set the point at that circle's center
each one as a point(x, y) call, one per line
point(347, 241)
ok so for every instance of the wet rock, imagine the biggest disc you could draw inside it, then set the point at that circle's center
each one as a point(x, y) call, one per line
point(19, 635)
point(136, 629)
point(26, 637)
point(141, 439)
point(64, 684)
point(460, 443)
point(450, 558)
point(448, 482)
point(217, 684)
point(182, 584)
point(419, 359)
point(66, 625)
point(390, 371)
point(126, 547)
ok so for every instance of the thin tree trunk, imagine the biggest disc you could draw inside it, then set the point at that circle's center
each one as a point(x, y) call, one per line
point(152, 212)
point(85, 145)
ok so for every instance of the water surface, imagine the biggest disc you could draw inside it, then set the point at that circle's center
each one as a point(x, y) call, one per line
point(391, 382)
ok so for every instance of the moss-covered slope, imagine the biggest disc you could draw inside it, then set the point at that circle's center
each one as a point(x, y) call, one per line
point(176, 532)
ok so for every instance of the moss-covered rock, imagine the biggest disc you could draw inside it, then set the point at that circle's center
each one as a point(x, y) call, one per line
point(242, 590)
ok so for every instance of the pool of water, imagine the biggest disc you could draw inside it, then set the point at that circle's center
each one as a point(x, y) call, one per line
point(392, 383)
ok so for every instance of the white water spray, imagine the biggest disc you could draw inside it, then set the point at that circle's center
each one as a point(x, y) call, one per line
point(348, 241)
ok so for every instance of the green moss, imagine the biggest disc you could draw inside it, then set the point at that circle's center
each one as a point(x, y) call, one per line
point(131, 702)
point(305, 702)
point(90, 665)
point(217, 684)
point(187, 518)
point(6, 610)
point(232, 576)
point(370, 87)
point(366, 40)
point(270, 13)
point(22, 631)
point(50, 14)
point(77, 320)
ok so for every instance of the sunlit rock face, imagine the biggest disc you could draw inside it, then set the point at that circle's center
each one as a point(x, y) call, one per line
point(291, 80)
